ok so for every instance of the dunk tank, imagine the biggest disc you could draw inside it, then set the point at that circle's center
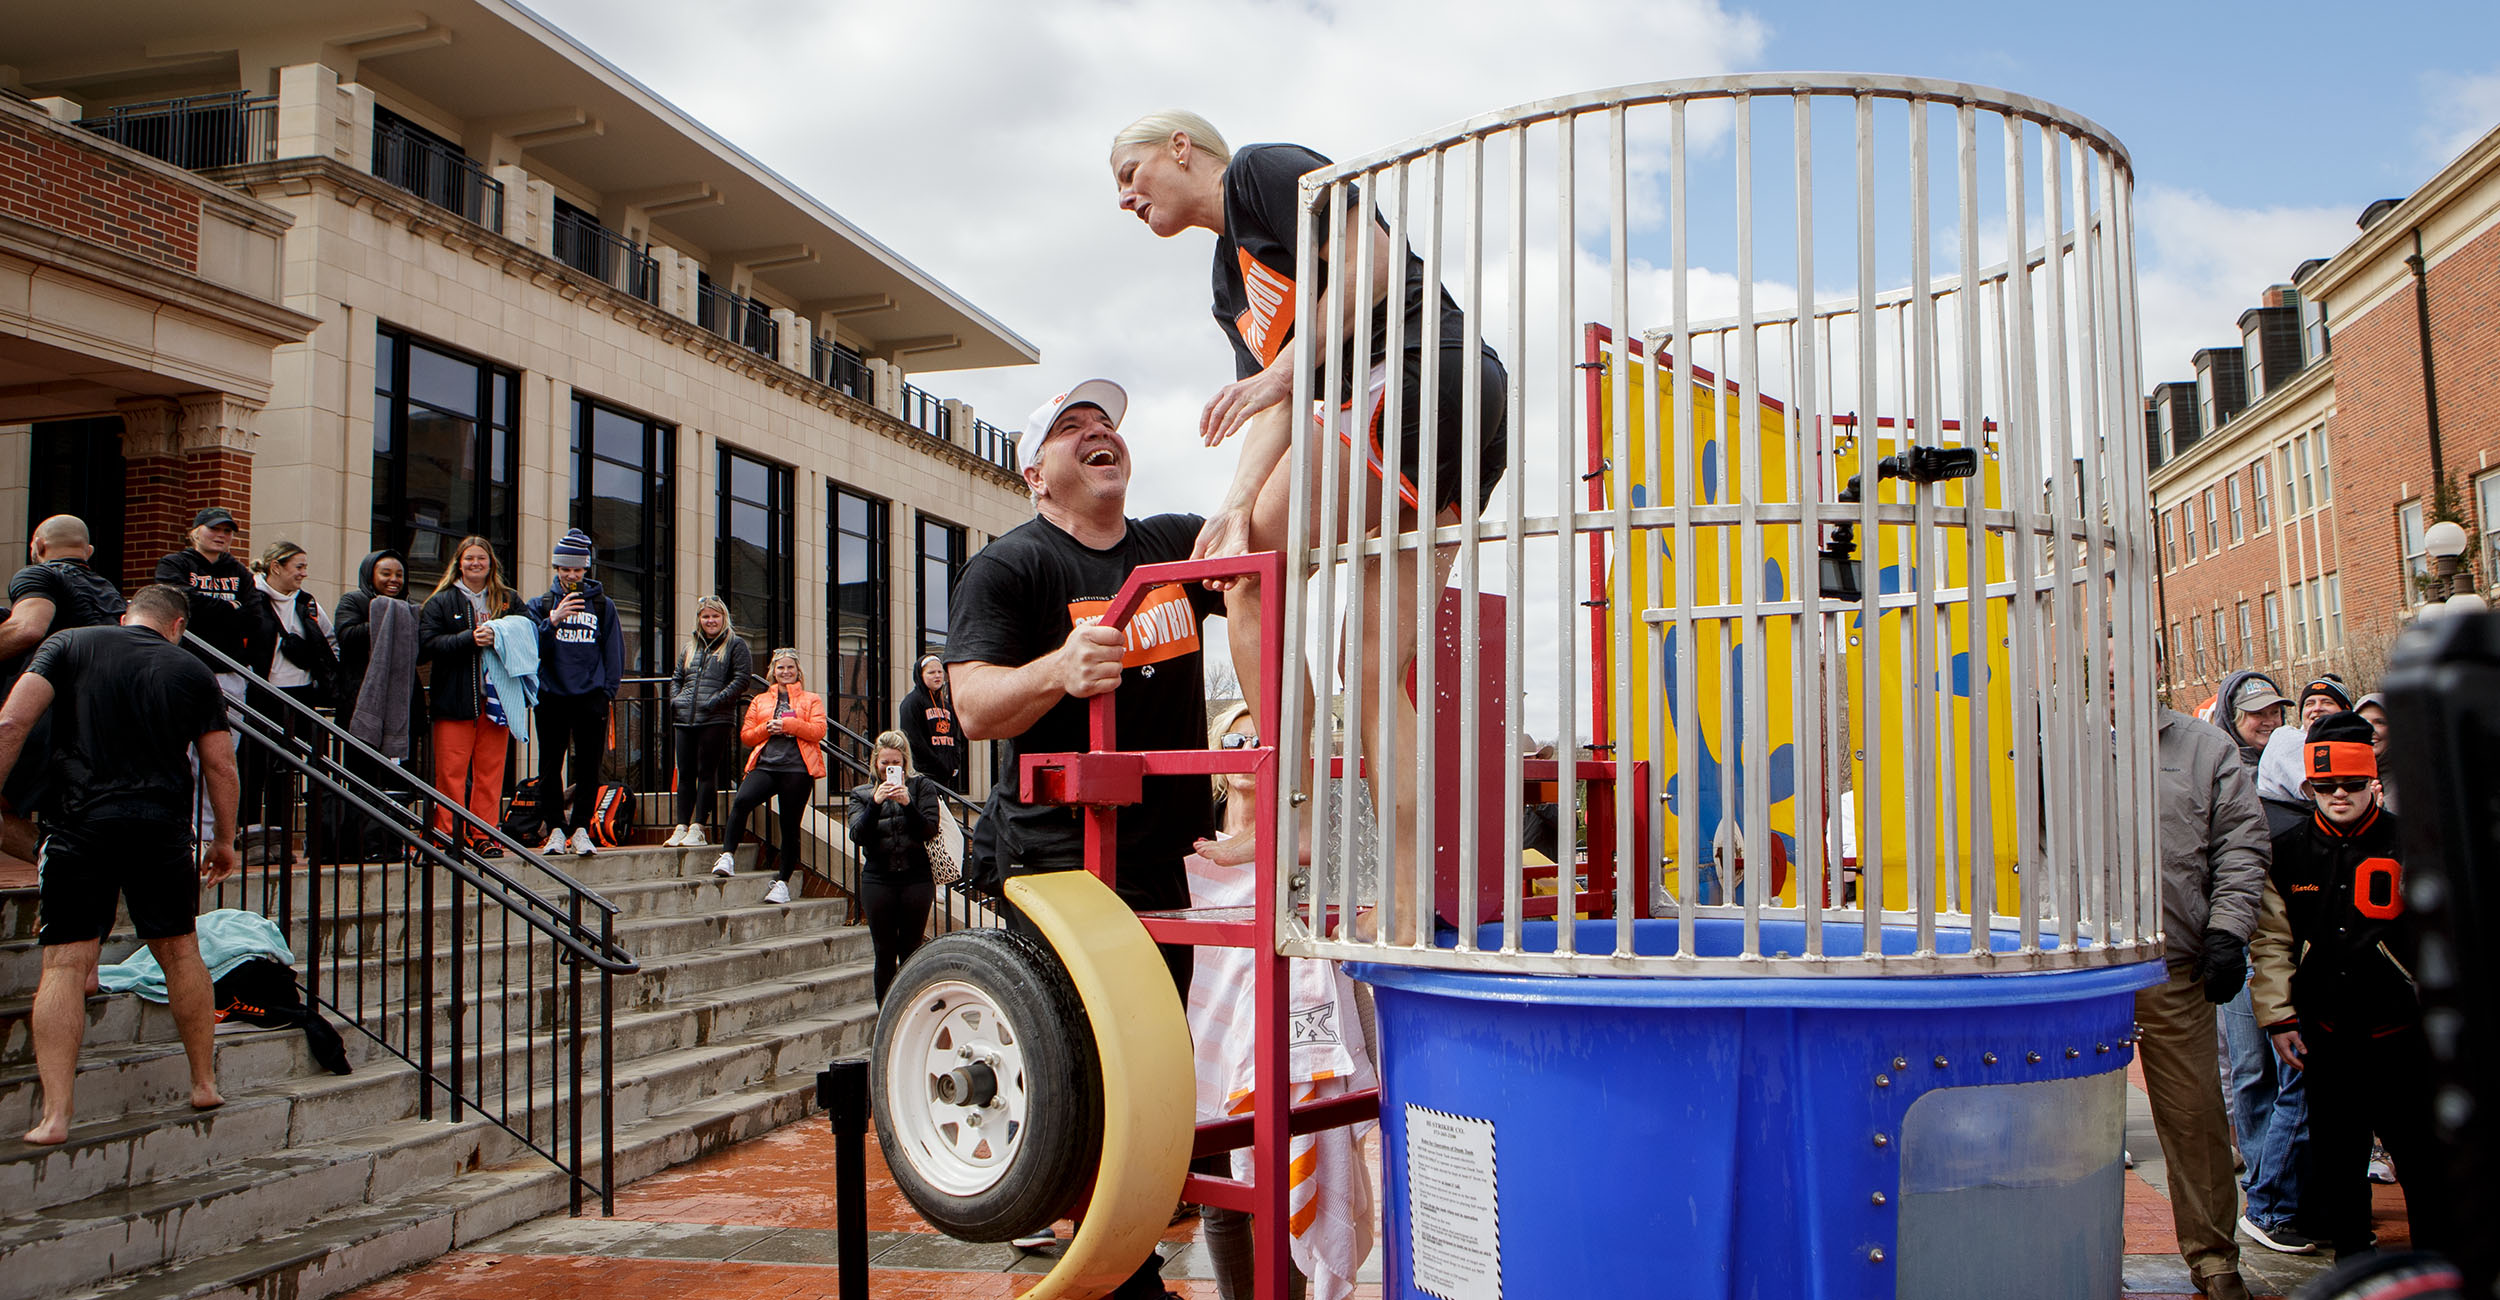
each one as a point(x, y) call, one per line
point(1818, 545)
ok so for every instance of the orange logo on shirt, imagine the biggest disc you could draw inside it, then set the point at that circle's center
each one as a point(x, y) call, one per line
point(1269, 317)
point(1164, 627)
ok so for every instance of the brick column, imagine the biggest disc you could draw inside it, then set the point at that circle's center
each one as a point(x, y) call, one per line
point(154, 518)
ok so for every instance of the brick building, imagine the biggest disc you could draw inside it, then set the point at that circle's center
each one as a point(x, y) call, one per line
point(2294, 478)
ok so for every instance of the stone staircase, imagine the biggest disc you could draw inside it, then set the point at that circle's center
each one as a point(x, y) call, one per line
point(306, 1184)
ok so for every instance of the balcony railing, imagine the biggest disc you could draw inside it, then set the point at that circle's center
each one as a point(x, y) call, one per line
point(742, 321)
point(595, 250)
point(837, 367)
point(438, 174)
point(923, 410)
point(994, 444)
point(196, 132)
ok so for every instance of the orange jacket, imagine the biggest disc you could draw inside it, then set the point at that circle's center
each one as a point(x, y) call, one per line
point(806, 725)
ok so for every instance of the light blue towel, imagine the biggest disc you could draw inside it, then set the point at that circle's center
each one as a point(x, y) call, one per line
point(228, 938)
point(512, 669)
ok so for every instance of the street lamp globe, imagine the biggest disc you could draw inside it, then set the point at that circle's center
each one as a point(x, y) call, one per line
point(2445, 540)
point(2465, 602)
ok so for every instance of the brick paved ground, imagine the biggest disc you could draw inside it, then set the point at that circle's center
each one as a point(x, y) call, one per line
point(756, 1223)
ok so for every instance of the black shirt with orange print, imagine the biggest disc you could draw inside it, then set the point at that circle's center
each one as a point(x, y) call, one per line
point(1017, 600)
point(1254, 264)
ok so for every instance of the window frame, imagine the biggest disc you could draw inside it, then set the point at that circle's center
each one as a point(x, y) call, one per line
point(2196, 644)
point(957, 554)
point(777, 626)
point(2231, 495)
point(653, 655)
point(393, 525)
point(2487, 515)
point(2187, 525)
point(2257, 492)
point(2213, 525)
point(2272, 603)
point(869, 706)
point(2414, 553)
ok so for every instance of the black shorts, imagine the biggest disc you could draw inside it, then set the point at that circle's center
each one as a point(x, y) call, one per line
point(85, 869)
point(1449, 443)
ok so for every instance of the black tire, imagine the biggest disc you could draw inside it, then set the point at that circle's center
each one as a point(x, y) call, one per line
point(1052, 1153)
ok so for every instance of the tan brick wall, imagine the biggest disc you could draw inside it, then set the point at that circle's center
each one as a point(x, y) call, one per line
point(53, 180)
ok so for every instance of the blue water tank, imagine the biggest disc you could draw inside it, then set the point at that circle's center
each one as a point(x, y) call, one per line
point(1756, 1138)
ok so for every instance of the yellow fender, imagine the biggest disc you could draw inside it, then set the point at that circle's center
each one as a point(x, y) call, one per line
point(1149, 1090)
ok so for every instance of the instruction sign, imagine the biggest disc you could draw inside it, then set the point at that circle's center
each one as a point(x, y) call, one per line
point(1453, 1206)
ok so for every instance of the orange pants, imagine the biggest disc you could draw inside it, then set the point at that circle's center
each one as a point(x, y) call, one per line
point(468, 766)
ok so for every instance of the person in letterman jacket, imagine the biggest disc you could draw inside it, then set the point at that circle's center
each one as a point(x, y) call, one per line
point(581, 660)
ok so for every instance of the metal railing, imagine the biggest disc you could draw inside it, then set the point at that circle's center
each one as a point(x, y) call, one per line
point(837, 367)
point(994, 444)
point(958, 907)
point(197, 131)
point(494, 977)
point(437, 173)
point(1933, 616)
point(739, 319)
point(603, 254)
point(925, 411)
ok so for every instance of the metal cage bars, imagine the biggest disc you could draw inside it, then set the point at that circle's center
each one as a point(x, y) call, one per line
point(2024, 355)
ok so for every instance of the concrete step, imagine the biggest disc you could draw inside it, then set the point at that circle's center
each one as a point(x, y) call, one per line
point(352, 927)
point(113, 1019)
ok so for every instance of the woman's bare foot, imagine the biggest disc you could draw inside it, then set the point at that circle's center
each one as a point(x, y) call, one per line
point(1239, 851)
point(203, 1099)
point(49, 1133)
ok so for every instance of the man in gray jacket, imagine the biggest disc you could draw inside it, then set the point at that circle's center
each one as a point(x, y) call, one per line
point(2214, 852)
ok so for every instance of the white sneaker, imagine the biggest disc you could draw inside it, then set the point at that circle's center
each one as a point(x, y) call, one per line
point(556, 844)
point(694, 838)
point(676, 838)
point(779, 893)
point(724, 865)
point(582, 847)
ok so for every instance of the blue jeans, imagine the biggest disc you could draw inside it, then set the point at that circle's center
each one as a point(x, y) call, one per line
point(2270, 1108)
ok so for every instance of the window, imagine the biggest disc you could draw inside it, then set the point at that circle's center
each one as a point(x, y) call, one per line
point(2300, 620)
point(622, 467)
point(2207, 414)
point(2196, 642)
point(941, 560)
point(2274, 628)
point(2257, 494)
point(754, 563)
point(2213, 525)
point(2169, 543)
point(2187, 526)
point(2253, 353)
point(2231, 489)
point(856, 600)
point(445, 455)
point(2313, 332)
point(2487, 514)
point(2248, 638)
point(2331, 612)
point(2326, 476)
point(2300, 466)
point(2222, 643)
point(2167, 647)
point(2417, 568)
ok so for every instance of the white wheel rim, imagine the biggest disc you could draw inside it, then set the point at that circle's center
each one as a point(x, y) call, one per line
point(960, 1150)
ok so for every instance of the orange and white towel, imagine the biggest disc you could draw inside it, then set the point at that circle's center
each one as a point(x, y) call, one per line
point(1330, 1190)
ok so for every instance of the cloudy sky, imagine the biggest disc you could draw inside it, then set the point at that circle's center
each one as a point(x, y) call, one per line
point(971, 137)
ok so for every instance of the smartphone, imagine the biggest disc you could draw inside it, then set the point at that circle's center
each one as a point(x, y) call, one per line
point(893, 775)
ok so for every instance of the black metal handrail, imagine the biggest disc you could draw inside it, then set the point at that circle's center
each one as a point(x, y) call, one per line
point(395, 912)
point(994, 444)
point(837, 367)
point(593, 249)
point(923, 410)
point(739, 319)
point(196, 131)
point(438, 174)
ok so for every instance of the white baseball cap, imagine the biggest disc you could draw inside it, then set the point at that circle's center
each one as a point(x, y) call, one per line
point(1112, 398)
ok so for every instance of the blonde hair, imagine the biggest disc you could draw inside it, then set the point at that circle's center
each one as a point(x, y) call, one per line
point(277, 554)
point(896, 741)
point(694, 635)
point(1217, 730)
point(773, 662)
point(1156, 127)
point(498, 596)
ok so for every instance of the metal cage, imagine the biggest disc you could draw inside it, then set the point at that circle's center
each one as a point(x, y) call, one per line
point(1793, 280)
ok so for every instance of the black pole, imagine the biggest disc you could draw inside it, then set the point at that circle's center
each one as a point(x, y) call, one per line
point(842, 1089)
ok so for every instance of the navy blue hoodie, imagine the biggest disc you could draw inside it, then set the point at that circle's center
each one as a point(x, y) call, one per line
point(584, 655)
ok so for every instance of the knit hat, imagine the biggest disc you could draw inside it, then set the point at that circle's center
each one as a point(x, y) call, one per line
point(574, 551)
point(2330, 687)
point(2338, 745)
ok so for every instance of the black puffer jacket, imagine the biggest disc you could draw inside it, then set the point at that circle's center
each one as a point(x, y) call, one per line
point(710, 682)
point(444, 640)
point(893, 839)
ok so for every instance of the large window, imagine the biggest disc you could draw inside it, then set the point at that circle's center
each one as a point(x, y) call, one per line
point(941, 559)
point(2300, 620)
point(2331, 611)
point(2487, 514)
point(2169, 542)
point(2248, 638)
point(2257, 493)
point(445, 454)
point(855, 598)
point(2231, 489)
point(622, 466)
point(2417, 565)
point(2187, 525)
point(2213, 538)
point(2196, 642)
point(2326, 476)
point(2222, 643)
point(754, 550)
point(2300, 472)
point(2274, 628)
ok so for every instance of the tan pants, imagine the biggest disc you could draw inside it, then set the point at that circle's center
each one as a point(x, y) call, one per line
point(2183, 1078)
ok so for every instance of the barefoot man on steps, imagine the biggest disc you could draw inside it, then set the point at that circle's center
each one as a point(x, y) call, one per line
point(127, 704)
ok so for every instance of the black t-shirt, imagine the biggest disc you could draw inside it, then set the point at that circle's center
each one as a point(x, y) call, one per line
point(80, 596)
point(1254, 264)
point(127, 705)
point(217, 589)
point(1017, 601)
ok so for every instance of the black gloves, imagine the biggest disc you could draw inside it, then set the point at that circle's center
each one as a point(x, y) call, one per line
point(2226, 965)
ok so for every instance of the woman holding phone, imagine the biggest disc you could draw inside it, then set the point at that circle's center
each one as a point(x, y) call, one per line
point(892, 823)
point(785, 725)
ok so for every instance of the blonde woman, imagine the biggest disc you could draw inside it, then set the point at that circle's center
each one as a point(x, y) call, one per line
point(471, 727)
point(786, 727)
point(712, 673)
point(892, 821)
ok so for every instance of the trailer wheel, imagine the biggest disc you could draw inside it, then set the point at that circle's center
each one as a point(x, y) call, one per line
point(985, 1089)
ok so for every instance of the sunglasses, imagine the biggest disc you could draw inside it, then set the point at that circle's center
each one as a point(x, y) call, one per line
point(2353, 785)
point(1237, 740)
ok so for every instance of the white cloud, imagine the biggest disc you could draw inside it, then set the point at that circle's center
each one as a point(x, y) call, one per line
point(2461, 110)
point(2202, 262)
